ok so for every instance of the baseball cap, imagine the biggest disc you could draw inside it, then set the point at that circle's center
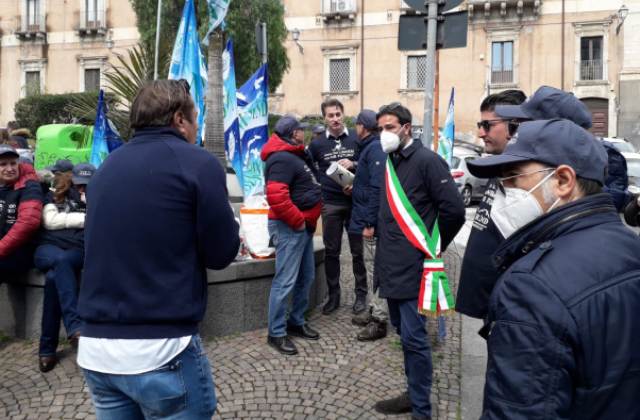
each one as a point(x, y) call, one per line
point(5, 149)
point(61, 165)
point(82, 173)
point(553, 142)
point(367, 118)
point(287, 125)
point(319, 129)
point(547, 103)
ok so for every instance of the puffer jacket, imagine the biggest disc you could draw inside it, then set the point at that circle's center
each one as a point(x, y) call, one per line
point(564, 324)
point(293, 193)
point(20, 211)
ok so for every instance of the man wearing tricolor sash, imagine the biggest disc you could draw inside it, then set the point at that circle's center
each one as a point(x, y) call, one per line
point(420, 213)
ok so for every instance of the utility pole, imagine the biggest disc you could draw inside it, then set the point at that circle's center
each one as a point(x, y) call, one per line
point(261, 41)
point(432, 23)
point(436, 105)
point(155, 58)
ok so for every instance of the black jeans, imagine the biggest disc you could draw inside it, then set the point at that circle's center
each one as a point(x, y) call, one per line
point(335, 219)
point(16, 264)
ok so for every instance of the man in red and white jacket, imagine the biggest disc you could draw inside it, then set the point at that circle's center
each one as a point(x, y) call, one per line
point(20, 213)
point(295, 199)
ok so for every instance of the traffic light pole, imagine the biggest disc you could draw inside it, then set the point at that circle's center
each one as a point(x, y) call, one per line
point(432, 24)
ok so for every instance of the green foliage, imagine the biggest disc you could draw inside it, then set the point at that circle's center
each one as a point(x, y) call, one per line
point(34, 111)
point(240, 20)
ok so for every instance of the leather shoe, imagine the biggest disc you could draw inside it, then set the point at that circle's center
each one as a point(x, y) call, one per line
point(303, 331)
point(46, 363)
point(283, 344)
point(332, 304)
point(362, 319)
point(360, 305)
point(374, 330)
point(398, 405)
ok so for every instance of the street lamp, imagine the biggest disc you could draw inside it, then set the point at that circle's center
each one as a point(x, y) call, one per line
point(295, 35)
point(622, 13)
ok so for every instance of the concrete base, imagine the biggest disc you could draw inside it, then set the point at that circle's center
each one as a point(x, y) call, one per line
point(238, 298)
point(239, 295)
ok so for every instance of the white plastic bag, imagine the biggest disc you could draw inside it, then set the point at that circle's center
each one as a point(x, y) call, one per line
point(254, 220)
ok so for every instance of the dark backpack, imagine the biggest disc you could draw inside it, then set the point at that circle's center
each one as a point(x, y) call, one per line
point(617, 180)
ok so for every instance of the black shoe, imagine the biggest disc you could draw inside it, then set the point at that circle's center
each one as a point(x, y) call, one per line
point(283, 344)
point(360, 305)
point(397, 405)
point(332, 304)
point(303, 331)
point(362, 319)
point(46, 363)
point(419, 418)
point(374, 330)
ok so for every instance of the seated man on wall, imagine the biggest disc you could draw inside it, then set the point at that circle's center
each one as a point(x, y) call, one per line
point(20, 213)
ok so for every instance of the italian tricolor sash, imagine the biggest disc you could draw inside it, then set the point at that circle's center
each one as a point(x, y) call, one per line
point(435, 294)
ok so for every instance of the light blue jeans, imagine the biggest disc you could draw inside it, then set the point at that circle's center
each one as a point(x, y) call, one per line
point(181, 389)
point(295, 272)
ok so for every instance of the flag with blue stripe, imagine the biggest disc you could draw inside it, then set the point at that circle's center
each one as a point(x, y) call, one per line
point(105, 136)
point(253, 116)
point(187, 62)
point(232, 144)
point(447, 134)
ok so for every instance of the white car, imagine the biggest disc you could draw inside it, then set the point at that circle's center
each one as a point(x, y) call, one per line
point(633, 171)
point(470, 187)
point(621, 145)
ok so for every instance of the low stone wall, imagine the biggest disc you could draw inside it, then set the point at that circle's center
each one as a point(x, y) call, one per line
point(237, 298)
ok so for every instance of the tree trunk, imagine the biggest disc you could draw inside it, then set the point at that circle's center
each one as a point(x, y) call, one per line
point(214, 135)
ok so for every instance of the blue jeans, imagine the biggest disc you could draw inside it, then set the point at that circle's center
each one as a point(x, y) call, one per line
point(181, 389)
point(295, 272)
point(410, 325)
point(60, 293)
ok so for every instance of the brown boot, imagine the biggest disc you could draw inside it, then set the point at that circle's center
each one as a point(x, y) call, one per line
point(374, 330)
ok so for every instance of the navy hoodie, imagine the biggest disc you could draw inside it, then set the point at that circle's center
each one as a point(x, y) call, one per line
point(157, 217)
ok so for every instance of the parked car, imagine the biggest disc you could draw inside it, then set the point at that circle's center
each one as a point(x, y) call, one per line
point(633, 172)
point(470, 187)
point(622, 145)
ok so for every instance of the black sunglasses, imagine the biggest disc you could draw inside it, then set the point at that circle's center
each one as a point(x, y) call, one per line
point(487, 124)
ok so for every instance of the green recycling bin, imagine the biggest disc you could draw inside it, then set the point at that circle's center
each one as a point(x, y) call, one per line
point(61, 141)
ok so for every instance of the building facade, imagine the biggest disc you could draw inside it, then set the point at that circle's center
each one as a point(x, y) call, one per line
point(349, 49)
point(59, 46)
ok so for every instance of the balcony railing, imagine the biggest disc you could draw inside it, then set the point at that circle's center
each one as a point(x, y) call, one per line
point(499, 77)
point(92, 21)
point(591, 70)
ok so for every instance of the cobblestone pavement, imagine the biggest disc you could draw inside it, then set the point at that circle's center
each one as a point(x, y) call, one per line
point(336, 377)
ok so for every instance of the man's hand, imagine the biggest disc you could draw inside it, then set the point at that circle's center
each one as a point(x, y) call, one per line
point(348, 190)
point(368, 232)
point(346, 163)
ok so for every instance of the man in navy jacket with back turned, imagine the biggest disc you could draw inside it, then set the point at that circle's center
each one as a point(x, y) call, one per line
point(157, 217)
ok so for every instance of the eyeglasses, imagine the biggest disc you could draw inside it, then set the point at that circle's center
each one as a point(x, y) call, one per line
point(506, 178)
point(487, 124)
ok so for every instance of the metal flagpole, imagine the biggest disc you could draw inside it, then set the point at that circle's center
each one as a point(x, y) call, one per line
point(432, 22)
point(155, 63)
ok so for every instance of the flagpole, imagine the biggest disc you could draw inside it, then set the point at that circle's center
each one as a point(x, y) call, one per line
point(155, 63)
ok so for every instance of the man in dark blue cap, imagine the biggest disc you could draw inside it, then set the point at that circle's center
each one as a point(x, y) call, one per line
point(364, 218)
point(563, 329)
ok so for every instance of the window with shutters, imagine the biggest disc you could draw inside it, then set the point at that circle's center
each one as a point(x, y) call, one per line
point(502, 62)
point(416, 71)
point(591, 64)
point(91, 80)
point(339, 75)
point(32, 83)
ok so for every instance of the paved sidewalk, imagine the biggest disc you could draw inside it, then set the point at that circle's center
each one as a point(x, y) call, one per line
point(336, 377)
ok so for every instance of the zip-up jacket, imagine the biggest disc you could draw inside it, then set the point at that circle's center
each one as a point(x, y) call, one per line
point(366, 185)
point(63, 223)
point(563, 318)
point(20, 211)
point(293, 193)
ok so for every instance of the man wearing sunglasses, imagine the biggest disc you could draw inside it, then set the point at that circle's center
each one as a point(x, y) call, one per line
point(478, 274)
point(563, 328)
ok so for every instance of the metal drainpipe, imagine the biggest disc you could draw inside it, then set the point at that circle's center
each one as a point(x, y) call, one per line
point(361, 54)
point(562, 48)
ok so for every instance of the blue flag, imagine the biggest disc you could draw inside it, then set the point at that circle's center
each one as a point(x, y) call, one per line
point(232, 144)
point(253, 115)
point(105, 136)
point(187, 62)
point(445, 145)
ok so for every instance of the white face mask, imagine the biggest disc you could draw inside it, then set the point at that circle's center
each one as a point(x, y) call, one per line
point(516, 207)
point(389, 141)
